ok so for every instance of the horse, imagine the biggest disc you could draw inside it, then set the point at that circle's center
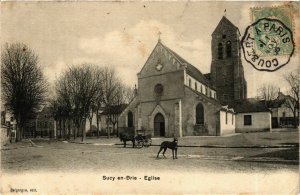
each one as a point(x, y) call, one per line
point(124, 137)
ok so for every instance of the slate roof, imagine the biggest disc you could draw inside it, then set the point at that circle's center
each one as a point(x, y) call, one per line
point(248, 106)
point(210, 99)
point(275, 103)
point(208, 76)
point(225, 20)
point(191, 70)
point(281, 99)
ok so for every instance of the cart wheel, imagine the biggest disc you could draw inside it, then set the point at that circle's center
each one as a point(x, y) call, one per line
point(139, 144)
point(148, 143)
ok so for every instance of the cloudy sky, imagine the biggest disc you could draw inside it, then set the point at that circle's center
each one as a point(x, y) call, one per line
point(123, 34)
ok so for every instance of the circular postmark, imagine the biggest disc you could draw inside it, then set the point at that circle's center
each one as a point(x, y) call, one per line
point(268, 44)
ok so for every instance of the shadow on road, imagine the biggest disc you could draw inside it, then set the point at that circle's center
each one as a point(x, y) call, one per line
point(286, 154)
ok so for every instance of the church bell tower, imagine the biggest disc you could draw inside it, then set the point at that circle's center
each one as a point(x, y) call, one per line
point(227, 73)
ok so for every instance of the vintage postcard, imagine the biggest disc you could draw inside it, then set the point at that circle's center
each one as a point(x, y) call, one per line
point(149, 97)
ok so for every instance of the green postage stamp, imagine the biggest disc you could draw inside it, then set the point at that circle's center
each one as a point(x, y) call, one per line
point(268, 42)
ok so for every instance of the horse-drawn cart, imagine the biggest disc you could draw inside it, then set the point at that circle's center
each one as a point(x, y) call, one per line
point(141, 139)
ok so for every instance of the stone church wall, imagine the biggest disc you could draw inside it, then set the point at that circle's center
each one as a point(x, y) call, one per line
point(172, 83)
point(211, 111)
point(148, 112)
point(122, 120)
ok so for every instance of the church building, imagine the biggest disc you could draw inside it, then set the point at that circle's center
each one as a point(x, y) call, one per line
point(173, 98)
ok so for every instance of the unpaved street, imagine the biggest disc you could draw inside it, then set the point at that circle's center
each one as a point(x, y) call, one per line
point(65, 156)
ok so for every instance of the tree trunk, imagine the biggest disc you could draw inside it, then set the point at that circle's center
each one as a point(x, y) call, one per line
point(91, 134)
point(295, 119)
point(62, 129)
point(114, 129)
point(17, 135)
point(117, 128)
point(69, 129)
point(74, 131)
point(35, 129)
point(76, 128)
point(22, 132)
point(98, 130)
point(18, 127)
point(108, 131)
point(83, 130)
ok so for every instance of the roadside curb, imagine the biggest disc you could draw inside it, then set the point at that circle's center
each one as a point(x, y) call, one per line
point(223, 146)
point(194, 146)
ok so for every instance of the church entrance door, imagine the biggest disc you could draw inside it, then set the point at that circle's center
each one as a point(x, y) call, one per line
point(159, 125)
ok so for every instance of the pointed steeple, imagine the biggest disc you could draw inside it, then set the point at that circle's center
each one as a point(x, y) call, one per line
point(224, 22)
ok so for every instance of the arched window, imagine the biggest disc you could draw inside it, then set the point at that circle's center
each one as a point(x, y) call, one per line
point(199, 114)
point(228, 49)
point(190, 83)
point(130, 119)
point(220, 51)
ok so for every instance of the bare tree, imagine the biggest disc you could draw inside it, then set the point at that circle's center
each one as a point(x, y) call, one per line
point(23, 83)
point(99, 99)
point(98, 108)
point(122, 96)
point(109, 87)
point(268, 92)
point(293, 79)
point(90, 117)
point(128, 94)
point(80, 85)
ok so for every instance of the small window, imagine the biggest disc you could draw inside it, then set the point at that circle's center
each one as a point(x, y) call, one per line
point(283, 114)
point(247, 120)
point(210, 94)
point(220, 51)
point(190, 82)
point(224, 36)
point(232, 118)
point(228, 49)
point(201, 88)
point(226, 117)
point(196, 86)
